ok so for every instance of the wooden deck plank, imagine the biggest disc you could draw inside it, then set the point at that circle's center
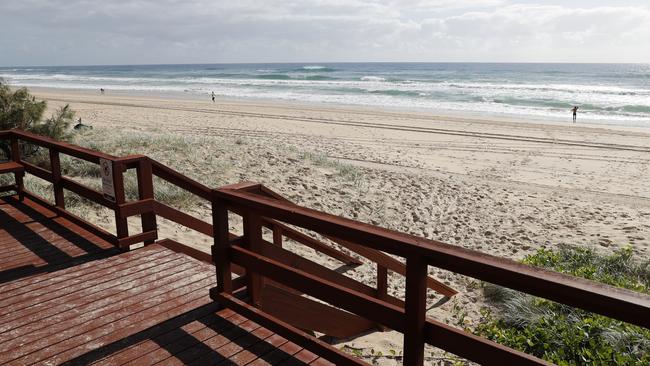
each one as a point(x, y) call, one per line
point(275, 356)
point(46, 279)
point(73, 342)
point(321, 362)
point(33, 239)
point(78, 283)
point(284, 350)
point(52, 233)
point(124, 331)
point(62, 252)
point(184, 340)
point(209, 340)
point(256, 347)
point(57, 285)
point(112, 311)
point(301, 358)
point(170, 337)
point(218, 349)
point(63, 309)
point(148, 306)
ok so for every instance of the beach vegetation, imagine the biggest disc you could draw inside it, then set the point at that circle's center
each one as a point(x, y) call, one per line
point(162, 147)
point(21, 110)
point(563, 334)
point(348, 172)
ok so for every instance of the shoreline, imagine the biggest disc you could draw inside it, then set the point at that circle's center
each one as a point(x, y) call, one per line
point(423, 113)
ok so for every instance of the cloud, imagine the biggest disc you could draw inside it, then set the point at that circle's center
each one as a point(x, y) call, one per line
point(175, 31)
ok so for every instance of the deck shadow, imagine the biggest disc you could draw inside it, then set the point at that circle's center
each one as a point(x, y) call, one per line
point(20, 265)
point(184, 346)
point(62, 231)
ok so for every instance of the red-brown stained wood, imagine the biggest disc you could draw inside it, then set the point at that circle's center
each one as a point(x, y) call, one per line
point(79, 283)
point(48, 279)
point(93, 328)
point(215, 333)
point(168, 336)
point(55, 167)
point(110, 293)
point(298, 262)
point(32, 239)
point(73, 314)
point(62, 314)
point(416, 308)
point(305, 313)
point(276, 355)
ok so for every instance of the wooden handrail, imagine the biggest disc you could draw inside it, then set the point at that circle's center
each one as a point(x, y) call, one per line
point(182, 218)
point(614, 302)
point(63, 147)
point(419, 253)
point(180, 180)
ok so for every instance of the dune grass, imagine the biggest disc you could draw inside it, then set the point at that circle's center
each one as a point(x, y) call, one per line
point(348, 172)
point(563, 334)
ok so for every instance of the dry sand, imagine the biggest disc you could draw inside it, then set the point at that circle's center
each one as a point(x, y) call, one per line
point(503, 187)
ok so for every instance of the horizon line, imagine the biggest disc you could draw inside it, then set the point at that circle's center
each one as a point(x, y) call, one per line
point(340, 62)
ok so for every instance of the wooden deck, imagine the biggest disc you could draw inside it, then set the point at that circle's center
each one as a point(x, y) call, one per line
point(33, 239)
point(67, 297)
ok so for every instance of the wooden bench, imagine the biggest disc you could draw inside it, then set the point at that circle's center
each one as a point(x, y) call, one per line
point(19, 172)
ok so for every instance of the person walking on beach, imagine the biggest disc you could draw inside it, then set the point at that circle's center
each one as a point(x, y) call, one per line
point(212, 97)
point(575, 113)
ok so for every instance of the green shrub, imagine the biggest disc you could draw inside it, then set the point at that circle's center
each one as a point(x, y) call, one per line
point(19, 109)
point(563, 334)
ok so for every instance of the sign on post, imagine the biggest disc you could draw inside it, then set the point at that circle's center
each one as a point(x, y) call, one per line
point(106, 168)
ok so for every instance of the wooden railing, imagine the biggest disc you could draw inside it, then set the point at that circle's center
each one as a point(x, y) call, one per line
point(145, 205)
point(122, 209)
point(419, 254)
point(258, 261)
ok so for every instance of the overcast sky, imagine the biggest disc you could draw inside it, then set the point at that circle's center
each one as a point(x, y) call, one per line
point(84, 32)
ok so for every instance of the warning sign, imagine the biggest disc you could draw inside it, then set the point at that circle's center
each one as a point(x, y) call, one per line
point(106, 168)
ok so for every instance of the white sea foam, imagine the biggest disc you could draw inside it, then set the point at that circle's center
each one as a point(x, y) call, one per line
point(372, 78)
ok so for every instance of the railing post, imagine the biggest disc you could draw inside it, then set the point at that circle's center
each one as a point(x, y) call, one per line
point(382, 288)
point(15, 156)
point(382, 281)
point(121, 223)
point(55, 168)
point(221, 247)
point(145, 191)
point(253, 236)
point(277, 236)
point(415, 307)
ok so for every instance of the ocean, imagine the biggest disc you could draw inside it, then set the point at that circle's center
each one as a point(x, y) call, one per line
point(606, 93)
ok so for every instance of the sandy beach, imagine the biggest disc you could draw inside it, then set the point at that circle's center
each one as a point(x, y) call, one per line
point(503, 187)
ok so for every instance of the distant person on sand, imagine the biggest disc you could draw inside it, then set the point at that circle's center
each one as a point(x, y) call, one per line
point(575, 113)
point(212, 97)
point(101, 91)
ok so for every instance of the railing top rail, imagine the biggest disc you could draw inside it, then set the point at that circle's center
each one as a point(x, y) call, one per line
point(622, 304)
point(176, 178)
point(66, 148)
